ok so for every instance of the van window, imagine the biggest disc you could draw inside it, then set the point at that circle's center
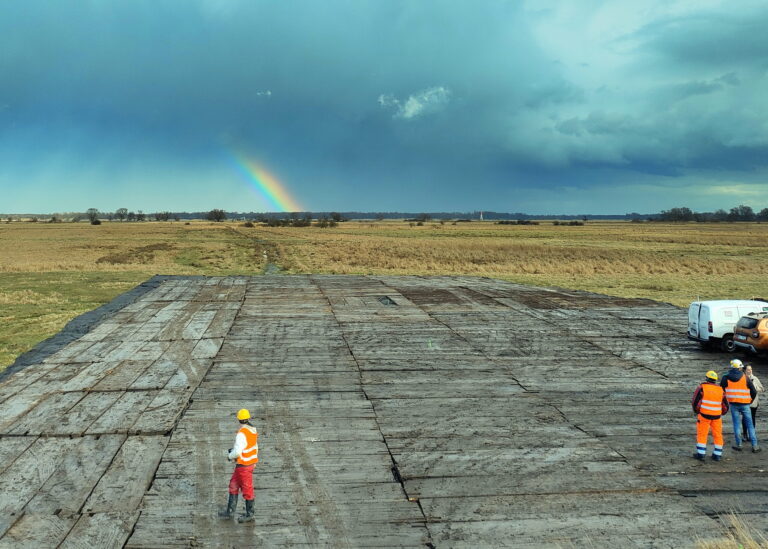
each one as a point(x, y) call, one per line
point(747, 322)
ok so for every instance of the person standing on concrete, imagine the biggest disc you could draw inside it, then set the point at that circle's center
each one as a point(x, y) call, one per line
point(755, 403)
point(740, 392)
point(246, 454)
point(709, 404)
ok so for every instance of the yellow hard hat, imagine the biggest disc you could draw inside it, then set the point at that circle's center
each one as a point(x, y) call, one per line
point(243, 414)
point(712, 375)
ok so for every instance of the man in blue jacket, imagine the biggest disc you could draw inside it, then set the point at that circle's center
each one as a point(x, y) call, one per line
point(740, 392)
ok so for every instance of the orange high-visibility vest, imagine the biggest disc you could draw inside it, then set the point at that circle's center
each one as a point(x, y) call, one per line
point(250, 454)
point(711, 400)
point(737, 391)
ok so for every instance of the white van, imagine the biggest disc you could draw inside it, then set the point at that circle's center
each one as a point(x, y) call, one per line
point(711, 322)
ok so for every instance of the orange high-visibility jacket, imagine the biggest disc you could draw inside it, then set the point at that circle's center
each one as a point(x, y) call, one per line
point(250, 453)
point(737, 392)
point(711, 400)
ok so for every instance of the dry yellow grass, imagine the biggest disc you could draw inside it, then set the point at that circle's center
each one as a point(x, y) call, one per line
point(738, 535)
point(111, 247)
point(675, 263)
point(50, 273)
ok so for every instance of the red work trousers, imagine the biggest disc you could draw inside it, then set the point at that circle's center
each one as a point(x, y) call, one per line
point(702, 430)
point(242, 480)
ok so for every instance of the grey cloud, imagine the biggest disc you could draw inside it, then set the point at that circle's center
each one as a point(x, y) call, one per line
point(727, 38)
point(377, 91)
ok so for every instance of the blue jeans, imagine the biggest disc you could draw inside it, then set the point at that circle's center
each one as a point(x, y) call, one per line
point(740, 413)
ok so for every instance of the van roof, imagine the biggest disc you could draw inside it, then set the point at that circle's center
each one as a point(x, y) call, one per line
point(732, 303)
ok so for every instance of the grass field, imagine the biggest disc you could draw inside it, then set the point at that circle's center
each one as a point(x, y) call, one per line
point(50, 273)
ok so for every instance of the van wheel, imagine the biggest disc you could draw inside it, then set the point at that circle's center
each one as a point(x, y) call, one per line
point(727, 344)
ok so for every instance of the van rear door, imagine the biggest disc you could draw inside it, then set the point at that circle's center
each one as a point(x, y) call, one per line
point(693, 319)
point(704, 322)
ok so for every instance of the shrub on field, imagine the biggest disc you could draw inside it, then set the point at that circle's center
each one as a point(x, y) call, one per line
point(96, 222)
point(246, 224)
point(573, 223)
point(518, 222)
point(216, 215)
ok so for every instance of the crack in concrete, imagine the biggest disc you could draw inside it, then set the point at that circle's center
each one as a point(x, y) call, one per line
point(395, 470)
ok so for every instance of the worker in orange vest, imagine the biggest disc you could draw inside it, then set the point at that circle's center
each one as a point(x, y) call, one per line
point(740, 392)
point(246, 454)
point(709, 404)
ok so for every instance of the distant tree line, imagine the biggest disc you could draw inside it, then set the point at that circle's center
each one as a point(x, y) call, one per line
point(331, 219)
point(739, 213)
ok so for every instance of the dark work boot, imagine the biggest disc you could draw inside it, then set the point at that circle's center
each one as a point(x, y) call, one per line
point(698, 456)
point(248, 516)
point(229, 512)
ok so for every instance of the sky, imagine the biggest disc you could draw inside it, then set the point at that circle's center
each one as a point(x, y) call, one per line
point(541, 106)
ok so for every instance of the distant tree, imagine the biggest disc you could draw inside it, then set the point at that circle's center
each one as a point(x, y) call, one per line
point(677, 214)
point(131, 216)
point(216, 215)
point(163, 216)
point(741, 213)
point(720, 215)
point(763, 215)
point(109, 215)
point(337, 217)
point(423, 217)
point(380, 217)
point(140, 216)
point(121, 213)
point(92, 214)
point(176, 217)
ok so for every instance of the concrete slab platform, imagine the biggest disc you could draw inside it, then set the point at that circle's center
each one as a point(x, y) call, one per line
point(392, 411)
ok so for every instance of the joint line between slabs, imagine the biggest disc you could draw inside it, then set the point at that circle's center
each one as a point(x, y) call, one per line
point(395, 470)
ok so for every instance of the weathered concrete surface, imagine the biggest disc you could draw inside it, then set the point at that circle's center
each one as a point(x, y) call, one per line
point(393, 412)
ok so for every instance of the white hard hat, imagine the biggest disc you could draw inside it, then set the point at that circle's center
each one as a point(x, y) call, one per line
point(736, 363)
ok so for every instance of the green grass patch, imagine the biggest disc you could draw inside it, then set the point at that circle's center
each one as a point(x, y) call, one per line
point(40, 304)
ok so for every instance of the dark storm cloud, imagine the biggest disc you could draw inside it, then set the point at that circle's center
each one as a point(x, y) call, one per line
point(727, 38)
point(420, 96)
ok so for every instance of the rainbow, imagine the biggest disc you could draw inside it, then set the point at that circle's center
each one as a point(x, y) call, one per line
point(266, 184)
